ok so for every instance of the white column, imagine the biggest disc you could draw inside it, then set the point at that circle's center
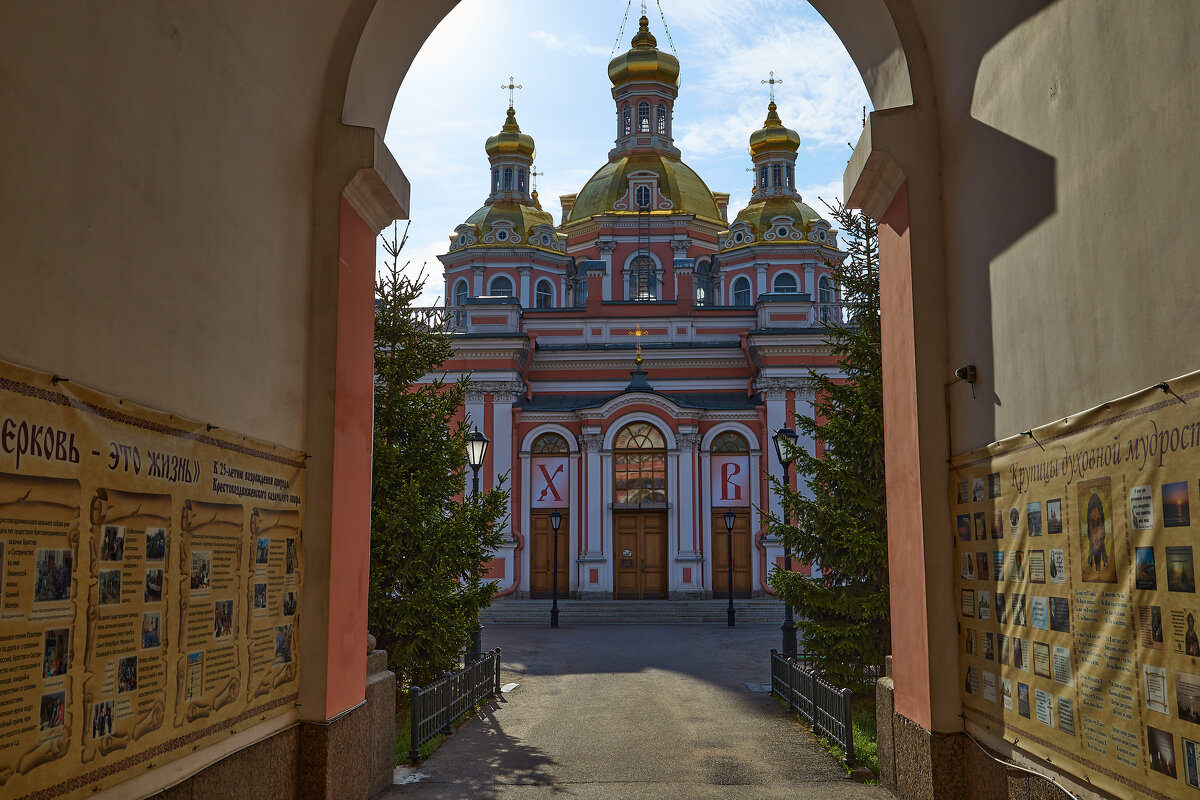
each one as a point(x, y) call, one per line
point(760, 270)
point(675, 495)
point(606, 253)
point(706, 517)
point(575, 576)
point(775, 395)
point(687, 491)
point(755, 519)
point(592, 474)
point(810, 281)
point(477, 291)
point(523, 523)
point(503, 396)
point(523, 271)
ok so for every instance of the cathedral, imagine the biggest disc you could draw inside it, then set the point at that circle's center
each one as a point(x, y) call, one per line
point(630, 365)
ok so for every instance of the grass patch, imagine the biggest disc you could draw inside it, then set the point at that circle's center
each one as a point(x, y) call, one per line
point(866, 747)
point(404, 736)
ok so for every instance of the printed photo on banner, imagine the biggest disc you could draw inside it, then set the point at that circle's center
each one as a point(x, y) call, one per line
point(102, 719)
point(997, 524)
point(964, 492)
point(1037, 566)
point(1041, 660)
point(1144, 576)
point(1175, 505)
point(222, 619)
point(1191, 763)
point(283, 644)
point(968, 602)
point(1016, 566)
point(998, 565)
point(1058, 566)
point(112, 543)
point(156, 544)
point(977, 491)
point(1039, 613)
point(151, 632)
point(1033, 518)
point(1023, 700)
point(993, 481)
point(1060, 614)
point(262, 550)
point(982, 568)
point(989, 686)
point(1006, 693)
point(1096, 531)
point(1014, 522)
point(1001, 609)
point(1020, 649)
point(981, 531)
point(967, 566)
point(1150, 627)
point(201, 570)
point(110, 586)
point(1187, 696)
point(53, 710)
point(1044, 707)
point(127, 674)
point(1161, 745)
point(964, 527)
point(260, 596)
point(1183, 624)
point(983, 605)
point(1066, 716)
point(52, 576)
point(154, 586)
point(989, 646)
point(56, 652)
point(1181, 572)
point(1018, 610)
point(289, 556)
point(1054, 516)
point(289, 604)
point(1002, 648)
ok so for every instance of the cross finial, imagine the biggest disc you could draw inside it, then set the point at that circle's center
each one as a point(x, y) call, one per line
point(511, 86)
point(533, 175)
point(773, 80)
point(643, 8)
point(639, 333)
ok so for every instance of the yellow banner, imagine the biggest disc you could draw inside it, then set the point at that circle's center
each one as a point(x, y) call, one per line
point(151, 578)
point(1076, 586)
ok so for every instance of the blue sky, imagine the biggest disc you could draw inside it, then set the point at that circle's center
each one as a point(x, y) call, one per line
point(559, 50)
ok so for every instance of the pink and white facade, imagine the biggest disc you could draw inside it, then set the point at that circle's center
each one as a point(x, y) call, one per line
point(641, 461)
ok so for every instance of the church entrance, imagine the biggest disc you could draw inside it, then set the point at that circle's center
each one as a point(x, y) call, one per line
point(541, 555)
point(640, 555)
point(741, 554)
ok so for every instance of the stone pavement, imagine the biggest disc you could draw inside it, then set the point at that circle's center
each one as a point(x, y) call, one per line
point(626, 712)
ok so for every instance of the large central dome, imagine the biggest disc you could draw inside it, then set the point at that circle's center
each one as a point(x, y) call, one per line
point(676, 182)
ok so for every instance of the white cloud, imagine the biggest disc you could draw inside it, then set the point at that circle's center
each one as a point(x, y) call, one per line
point(573, 43)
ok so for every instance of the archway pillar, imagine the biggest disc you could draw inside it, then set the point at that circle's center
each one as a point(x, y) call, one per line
point(894, 177)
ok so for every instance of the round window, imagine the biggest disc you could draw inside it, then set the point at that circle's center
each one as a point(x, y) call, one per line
point(781, 232)
point(501, 236)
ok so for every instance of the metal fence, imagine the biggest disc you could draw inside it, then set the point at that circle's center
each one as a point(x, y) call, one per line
point(433, 708)
point(824, 706)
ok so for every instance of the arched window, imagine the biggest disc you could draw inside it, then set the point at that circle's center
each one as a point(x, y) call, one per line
point(501, 287)
point(785, 282)
point(702, 281)
point(461, 292)
point(639, 465)
point(544, 296)
point(626, 122)
point(825, 290)
point(776, 175)
point(496, 180)
point(643, 284)
point(642, 196)
point(643, 117)
point(741, 292)
point(549, 443)
point(662, 120)
point(729, 442)
point(520, 180)
point(762, 177)
point(508, 179)
point(791, 179)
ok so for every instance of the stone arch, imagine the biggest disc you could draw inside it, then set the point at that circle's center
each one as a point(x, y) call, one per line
point(615, 427)
point(736, 427)
point(550, 427)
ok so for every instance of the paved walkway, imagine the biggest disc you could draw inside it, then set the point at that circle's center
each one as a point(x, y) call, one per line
point(626, 712)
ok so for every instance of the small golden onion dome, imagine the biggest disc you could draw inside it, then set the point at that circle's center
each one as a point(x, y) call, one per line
point(536, 203)
point(773, 136)
point(676, 181)
point(762, 215)
point(644, 62)
point(521, 218)
point(510, 141)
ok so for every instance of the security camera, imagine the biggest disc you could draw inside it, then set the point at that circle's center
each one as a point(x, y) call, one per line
point(966, 373)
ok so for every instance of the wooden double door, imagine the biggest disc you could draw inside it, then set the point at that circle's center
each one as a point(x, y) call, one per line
point(640, 555)
point(741, 554)
point(541, 555)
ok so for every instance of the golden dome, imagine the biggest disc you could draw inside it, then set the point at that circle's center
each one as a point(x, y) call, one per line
point(763, 215)
point(773, 136)
point(644, 62)
point(516, 219)
point(510, 141)
point(676, 181)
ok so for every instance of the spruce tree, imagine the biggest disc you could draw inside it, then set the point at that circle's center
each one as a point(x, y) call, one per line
point(844, 616)
point(428, 542)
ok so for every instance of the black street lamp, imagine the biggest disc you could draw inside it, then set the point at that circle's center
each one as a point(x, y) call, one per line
point(730, 518)
point(555, 521)
point(785, 449)
point(477, 445)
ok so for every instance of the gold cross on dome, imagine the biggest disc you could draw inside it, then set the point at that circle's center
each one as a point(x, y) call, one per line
point(511, 86)
point(533, 175)
point(639, 333)
point(773, 81)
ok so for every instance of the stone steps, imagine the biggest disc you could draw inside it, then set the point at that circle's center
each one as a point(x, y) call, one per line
point(657, 612)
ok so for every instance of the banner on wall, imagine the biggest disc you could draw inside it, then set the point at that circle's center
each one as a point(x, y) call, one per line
point(730, 480)
point(151, 572)
point(1076, 558)
point(550, 481)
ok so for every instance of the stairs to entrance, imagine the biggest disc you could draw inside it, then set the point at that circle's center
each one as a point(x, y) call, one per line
point(657, 612)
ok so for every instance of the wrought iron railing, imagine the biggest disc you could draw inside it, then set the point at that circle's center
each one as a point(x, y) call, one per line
point(824, 706)
point(432, 709)
point(441, 318)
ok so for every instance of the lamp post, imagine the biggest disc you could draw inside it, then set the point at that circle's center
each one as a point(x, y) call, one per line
point(785, 444)
point(555, 521)
point(730, 518)
point(477, 445)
